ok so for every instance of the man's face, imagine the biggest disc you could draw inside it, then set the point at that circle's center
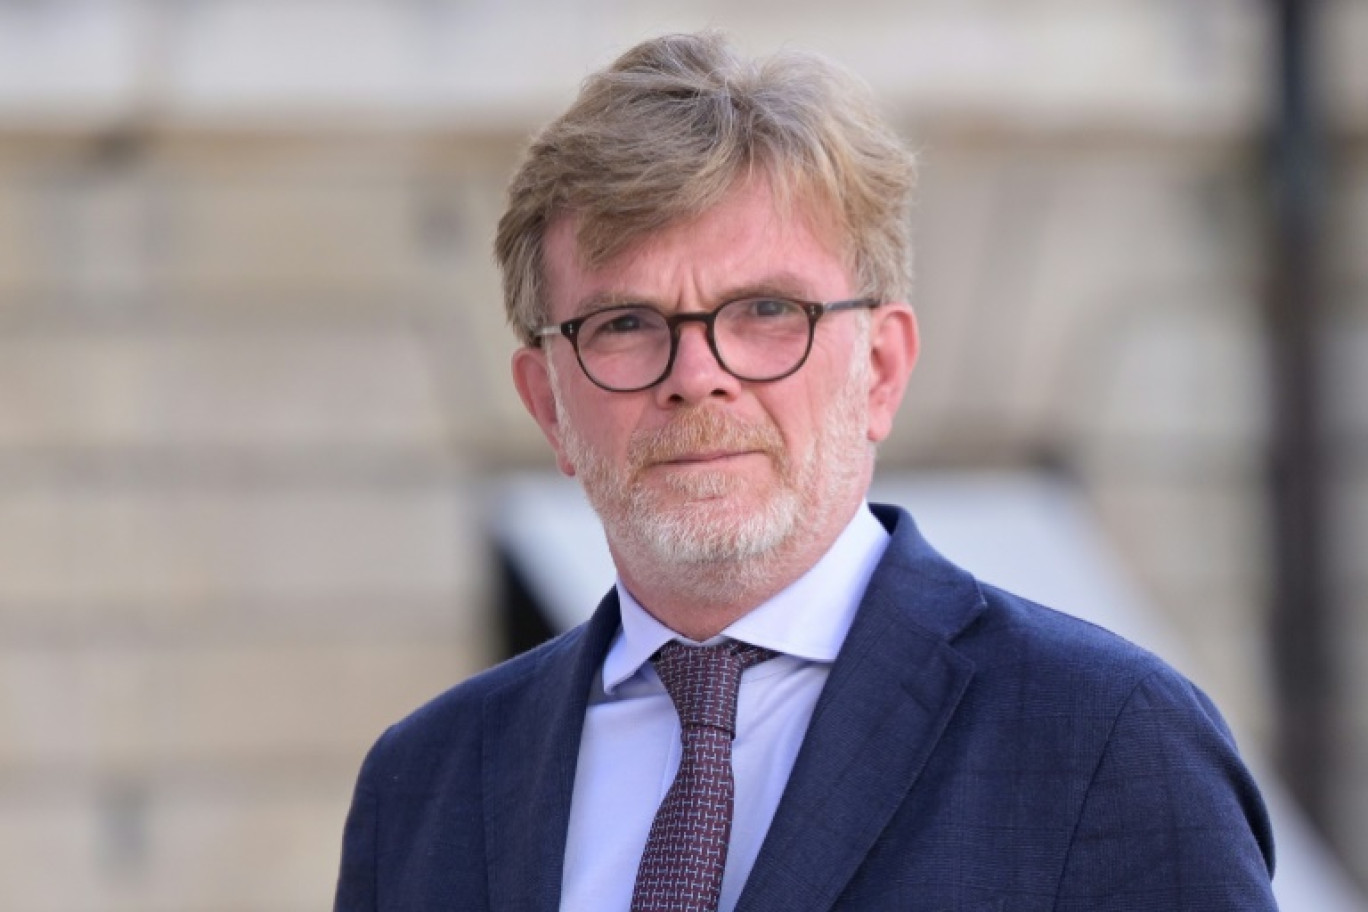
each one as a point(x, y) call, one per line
point(704, 468)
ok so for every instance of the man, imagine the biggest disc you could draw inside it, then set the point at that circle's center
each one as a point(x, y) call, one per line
point(707, 261)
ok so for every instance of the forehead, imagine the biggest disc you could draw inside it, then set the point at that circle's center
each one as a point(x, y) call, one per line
point(741, 244)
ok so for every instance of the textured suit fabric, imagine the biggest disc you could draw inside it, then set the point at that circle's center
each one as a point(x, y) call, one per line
point(971, 751)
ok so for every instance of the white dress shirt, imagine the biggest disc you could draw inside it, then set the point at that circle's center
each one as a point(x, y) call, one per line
point(631, 746)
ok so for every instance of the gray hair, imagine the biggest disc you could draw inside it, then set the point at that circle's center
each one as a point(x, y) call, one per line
point(662, 134)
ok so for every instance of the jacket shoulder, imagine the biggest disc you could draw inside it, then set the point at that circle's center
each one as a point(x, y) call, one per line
point(1015, 633)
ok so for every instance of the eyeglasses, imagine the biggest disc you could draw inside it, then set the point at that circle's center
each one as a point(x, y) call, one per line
point(632, 347)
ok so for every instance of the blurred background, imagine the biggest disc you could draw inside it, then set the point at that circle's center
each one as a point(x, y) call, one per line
point(255, 414)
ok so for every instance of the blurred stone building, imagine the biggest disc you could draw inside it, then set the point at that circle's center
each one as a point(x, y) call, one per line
point(254, 386)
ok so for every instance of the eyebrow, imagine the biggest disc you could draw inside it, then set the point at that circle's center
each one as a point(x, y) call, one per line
point(779, 285)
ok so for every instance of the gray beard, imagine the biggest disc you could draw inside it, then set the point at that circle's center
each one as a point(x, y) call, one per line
point(702, 545)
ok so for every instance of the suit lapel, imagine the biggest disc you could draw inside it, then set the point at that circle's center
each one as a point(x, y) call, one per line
point(532, 734)
point(891, 692)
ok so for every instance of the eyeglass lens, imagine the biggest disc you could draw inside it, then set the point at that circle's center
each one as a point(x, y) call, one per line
point(755, 339)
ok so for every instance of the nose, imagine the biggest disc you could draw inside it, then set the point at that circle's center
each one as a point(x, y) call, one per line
point(696, 374)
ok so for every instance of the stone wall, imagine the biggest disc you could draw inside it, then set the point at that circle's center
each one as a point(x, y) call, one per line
point(239, 532)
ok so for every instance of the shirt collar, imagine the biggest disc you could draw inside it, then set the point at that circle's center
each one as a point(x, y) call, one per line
point(809, 619)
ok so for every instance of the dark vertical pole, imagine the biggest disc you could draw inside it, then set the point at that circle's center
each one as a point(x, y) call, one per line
point(1300, 623)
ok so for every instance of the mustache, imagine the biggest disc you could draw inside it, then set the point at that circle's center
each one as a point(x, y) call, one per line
point(698, 430)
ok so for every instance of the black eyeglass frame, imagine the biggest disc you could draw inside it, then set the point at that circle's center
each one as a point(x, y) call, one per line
point(814, 310)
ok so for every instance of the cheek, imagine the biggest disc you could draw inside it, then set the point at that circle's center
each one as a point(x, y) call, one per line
point(835, 411)
point(796, 410)
point(603, 426)
point(824, 394)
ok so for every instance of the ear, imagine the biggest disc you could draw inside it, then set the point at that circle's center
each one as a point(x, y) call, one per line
point(532, 379)
point(893, 346)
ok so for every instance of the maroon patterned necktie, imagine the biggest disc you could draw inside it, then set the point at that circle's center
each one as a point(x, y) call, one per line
point(681, 869)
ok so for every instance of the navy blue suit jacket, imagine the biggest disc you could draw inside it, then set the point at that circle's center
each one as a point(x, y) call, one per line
point(971, 751)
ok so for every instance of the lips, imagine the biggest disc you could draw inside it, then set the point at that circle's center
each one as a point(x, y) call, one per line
point(704, 458)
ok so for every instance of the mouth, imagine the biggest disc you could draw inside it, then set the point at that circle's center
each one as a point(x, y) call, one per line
point(710, 458)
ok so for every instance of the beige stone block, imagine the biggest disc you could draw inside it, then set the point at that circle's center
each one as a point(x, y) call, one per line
point(73, 227)
point(102, 225)
point(1197, 534)
point(259, 388)
point(345, 232)
point(65, 709)
point(187, 548)
point(48, 853)
point(200, 845)
point(466, 334)
point(1187, 377)
point(270, 850)
point(299, 700)
point(22, 253)
point(134, 709)
point(1038, 315)
point(470, 353)
point(1125, 226)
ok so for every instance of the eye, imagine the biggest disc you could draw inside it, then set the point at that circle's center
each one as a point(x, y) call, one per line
point(752, 314)
point(626, 322)
point(768, 308)
point(621, 325)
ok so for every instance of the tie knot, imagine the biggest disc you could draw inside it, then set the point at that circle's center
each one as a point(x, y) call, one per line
point(703, 680)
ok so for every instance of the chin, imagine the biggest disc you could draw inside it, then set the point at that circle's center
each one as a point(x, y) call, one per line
point(711, 528)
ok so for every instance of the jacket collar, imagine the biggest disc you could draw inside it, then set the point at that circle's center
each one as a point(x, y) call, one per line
point(890, 695)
